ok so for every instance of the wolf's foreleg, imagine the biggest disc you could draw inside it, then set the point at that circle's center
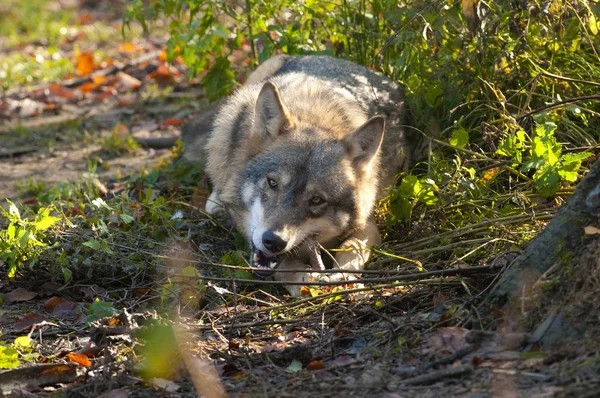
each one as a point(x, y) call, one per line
point(355, 251)
point(302, 275)
point(214, 207)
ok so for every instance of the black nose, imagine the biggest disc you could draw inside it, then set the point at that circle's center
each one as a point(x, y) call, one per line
point(273, 242)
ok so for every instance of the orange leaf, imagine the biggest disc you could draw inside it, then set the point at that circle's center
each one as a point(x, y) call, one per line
point(85, 19)
point(87, 87)
point(161, 73)
point(98, 80)
point(60, 91)
point(127, 47)
point(162, 57)
point(170, 122)
point(85, 64)
point(79, 359)
point(489, 174)
point(52, 302)
point(305, 290)
point(315, 365)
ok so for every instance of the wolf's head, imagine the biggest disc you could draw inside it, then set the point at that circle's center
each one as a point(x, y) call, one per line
point(301, 182)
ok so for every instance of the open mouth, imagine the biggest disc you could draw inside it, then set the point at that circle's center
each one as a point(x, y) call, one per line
point(266, 263)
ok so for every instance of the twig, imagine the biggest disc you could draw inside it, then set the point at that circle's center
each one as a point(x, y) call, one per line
point(559, 104)
point(414, 278)
point(432, 377)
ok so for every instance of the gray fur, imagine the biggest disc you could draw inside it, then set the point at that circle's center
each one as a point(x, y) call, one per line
point(299, 153)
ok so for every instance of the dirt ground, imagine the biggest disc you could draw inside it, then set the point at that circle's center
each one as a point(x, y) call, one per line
point(431, 336)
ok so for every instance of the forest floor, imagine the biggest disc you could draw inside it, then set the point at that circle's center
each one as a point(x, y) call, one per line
point(137, 294)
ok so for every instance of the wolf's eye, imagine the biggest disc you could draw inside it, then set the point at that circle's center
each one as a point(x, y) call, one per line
point(316, 200)
point(272, 183)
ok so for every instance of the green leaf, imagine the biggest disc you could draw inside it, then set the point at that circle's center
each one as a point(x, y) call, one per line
point(22, 342)
point(10, 231)
point(294, 367)
point(460, 138)
point(219, 80)
point(46, 222)
point(127, 219)
point(9, 358)
point(93, 244)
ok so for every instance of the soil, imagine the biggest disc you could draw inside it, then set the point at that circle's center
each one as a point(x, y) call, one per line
point(435, 337)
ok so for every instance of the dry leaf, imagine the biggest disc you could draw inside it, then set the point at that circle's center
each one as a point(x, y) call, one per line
point(85, 63)
point(85, 18)
point(79, 359)
point(170, 122)
point(117, 393)
point(19, 295)
point(28, 320)
point(449, 338)
point(128, 47)
point(66, 309)
point(87, 87)
point(591, 230)
point(315, 365)
point(60, 91)
point(52, 302)
point(163, 384)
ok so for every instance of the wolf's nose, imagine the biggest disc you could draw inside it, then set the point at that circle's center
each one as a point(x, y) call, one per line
point(272, 242)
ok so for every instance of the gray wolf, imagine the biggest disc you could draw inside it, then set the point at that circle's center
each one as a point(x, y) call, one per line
point(298, 158)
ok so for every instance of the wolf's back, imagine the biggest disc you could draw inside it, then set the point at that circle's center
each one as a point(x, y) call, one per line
point(374, 93)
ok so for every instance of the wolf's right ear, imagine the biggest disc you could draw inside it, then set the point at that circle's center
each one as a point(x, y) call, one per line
point(271, 115)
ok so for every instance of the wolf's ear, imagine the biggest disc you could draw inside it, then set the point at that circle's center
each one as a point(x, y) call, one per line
point(364, 142)
point(271, 116)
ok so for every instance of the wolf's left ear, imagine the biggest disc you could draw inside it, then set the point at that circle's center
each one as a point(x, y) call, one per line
point(271, 115)
point(364, 142)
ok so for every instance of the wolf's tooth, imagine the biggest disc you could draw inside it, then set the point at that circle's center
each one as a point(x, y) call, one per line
point(256, 258)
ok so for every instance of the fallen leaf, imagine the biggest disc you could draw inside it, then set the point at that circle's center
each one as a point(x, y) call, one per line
point(90, 293)
point(28, 320)
point(90, 350)
point(315, 365)
point(85, 18)
point(294, 367)
point(343, 360)
point(161, 73)
point(48, 287)
point(66, 309)
point(170, 122)
point(79, 359)
point(126, 100)
point(449, 338)
point(128, 47)
point(591, 230)
point(87, 87)
point(85, 63)
point(163, 384)
point(127, 82)
point(98, 80)
point(117, 393)
point(37, 375)
point(52, 302)
point(19, 295)
point(304, 290)
point(60, 91)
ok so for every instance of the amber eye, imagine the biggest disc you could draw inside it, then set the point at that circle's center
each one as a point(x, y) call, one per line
point(272, 183)
point(316, 200)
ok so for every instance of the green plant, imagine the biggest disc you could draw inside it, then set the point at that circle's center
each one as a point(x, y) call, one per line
point(24, 238)
point(119, 142)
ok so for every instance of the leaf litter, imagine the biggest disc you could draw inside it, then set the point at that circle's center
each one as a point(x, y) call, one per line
point(381, 339)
